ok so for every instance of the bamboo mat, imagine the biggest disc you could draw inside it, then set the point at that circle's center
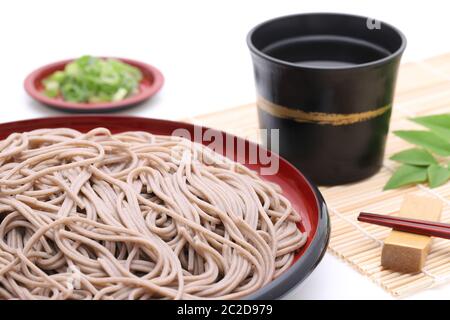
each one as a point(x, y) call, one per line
point(422, 88)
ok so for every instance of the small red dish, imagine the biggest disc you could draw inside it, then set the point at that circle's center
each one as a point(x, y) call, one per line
point(151, 83)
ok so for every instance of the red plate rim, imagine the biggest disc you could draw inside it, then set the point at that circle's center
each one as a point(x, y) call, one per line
point(315, 221)
point(152, 82)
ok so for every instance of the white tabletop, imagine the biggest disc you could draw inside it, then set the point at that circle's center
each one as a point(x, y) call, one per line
point(200, 47)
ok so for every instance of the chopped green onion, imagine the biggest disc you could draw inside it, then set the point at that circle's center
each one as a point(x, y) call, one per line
point(90, 79)
point(120, 94)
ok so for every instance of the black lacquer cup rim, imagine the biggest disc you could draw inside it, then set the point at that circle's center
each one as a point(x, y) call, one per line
point(300, 66)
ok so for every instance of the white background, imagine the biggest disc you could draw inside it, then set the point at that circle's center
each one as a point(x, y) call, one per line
point(200, 47)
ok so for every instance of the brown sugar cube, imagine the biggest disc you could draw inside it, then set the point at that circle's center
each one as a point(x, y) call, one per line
point(407, 252)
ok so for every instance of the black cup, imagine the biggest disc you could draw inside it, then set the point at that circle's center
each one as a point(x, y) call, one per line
point(327, 82)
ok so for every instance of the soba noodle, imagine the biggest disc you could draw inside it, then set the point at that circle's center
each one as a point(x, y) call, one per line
point(135, 216)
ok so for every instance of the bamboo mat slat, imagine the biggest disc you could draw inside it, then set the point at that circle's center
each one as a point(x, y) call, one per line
point(423, 88)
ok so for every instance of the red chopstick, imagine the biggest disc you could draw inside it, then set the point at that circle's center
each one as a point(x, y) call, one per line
point(427, 228)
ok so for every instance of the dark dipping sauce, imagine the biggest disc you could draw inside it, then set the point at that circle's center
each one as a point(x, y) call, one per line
point(325, 51)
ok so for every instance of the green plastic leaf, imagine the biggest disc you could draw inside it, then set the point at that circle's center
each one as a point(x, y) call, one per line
point(406, 175)
point(415, 156)
point(426, 139)
point(437, 175)
point(439, 124)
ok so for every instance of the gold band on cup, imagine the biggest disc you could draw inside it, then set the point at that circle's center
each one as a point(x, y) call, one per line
point(334, 119)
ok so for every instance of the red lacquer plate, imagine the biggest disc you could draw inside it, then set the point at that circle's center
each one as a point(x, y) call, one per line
point(303, 195)
point(150, 84)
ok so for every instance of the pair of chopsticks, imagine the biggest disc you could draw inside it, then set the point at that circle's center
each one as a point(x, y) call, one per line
point(427, 228)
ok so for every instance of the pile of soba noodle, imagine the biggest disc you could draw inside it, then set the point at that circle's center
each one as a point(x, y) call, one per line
point(135, 216)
